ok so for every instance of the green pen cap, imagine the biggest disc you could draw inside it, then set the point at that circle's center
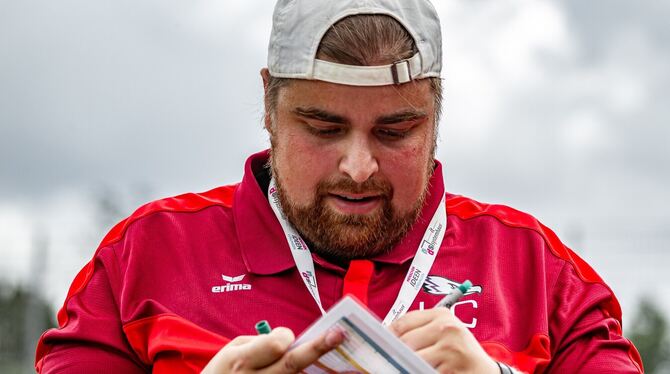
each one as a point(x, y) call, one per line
point(465, 286)
point(263, 327)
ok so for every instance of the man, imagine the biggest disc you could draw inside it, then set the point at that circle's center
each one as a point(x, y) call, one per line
point(352, 96)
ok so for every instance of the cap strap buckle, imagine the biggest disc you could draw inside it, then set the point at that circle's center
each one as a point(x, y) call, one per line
point(401, 72)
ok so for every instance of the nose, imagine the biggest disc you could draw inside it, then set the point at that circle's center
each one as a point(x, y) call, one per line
point(358, 160)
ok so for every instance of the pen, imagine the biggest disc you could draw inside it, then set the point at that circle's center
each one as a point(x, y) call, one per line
point(451, 299)
point(263, 327)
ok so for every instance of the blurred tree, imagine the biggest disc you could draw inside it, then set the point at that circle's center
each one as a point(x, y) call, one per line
point(649, 333)
point(109, 207)
point(14, 304)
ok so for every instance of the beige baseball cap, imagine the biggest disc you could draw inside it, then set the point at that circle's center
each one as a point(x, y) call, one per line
point(299, 25)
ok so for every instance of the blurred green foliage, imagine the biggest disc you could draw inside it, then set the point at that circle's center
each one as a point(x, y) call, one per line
point(649, 333)
point(23, 317)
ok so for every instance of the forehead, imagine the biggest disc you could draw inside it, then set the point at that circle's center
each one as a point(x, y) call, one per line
point(356, 100)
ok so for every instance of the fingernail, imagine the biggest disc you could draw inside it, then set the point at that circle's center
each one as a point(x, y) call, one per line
point(393, 329)
point(334, 337)
point(284, 335)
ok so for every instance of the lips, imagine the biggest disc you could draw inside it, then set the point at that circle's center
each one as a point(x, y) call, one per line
point(347, 203)
point(355, 198)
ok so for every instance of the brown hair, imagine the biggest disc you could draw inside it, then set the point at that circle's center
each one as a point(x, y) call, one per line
point(363, 40)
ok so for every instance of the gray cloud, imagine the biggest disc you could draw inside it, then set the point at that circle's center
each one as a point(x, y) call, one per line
point(118, 94)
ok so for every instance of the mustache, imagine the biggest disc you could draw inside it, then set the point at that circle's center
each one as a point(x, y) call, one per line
point(374, 186)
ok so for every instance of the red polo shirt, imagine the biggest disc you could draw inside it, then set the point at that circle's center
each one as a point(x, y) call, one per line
point(178, 279)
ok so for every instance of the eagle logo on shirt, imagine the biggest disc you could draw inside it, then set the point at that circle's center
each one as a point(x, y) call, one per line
point(435, 285)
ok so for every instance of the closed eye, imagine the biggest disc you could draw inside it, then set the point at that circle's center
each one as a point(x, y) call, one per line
point(324, 131)
point(392, 134)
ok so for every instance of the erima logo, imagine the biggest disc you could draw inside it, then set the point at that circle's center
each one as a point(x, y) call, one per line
point(435, 285)
point(232, 285)
point(232, 279)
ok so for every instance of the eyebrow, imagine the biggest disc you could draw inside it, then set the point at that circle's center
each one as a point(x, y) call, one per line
point(322, 115)
point(404, 116)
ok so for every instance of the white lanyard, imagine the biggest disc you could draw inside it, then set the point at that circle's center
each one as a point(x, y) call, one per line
point(423, 259)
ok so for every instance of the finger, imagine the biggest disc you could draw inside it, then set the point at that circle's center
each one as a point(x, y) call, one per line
point(223, 359)
point(450, 349)
point(454, 349)
point(429, 334)
point(264, 350)
point(415, 319)
point(436, 356)
point(240, 340)
point(306, 354)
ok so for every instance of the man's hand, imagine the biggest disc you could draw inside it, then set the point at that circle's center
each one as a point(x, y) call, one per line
point(441, 339)
point(269, 353)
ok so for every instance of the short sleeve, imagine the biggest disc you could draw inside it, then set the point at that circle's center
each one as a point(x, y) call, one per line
point(586, 336)
point(90, 337)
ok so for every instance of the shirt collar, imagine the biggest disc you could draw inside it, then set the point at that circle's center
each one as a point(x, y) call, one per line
point(263, 242)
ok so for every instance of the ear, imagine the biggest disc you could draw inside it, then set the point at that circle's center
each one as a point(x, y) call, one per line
point(265, 75)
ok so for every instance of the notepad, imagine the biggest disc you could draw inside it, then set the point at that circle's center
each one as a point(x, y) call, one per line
point(368, 346)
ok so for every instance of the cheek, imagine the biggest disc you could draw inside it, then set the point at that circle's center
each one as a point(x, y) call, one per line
point(302, 165)
point(408, 173)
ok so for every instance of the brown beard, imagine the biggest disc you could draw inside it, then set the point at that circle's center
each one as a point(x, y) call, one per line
point(345, 237)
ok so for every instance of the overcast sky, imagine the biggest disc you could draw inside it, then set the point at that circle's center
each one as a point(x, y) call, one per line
point(556, 108)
